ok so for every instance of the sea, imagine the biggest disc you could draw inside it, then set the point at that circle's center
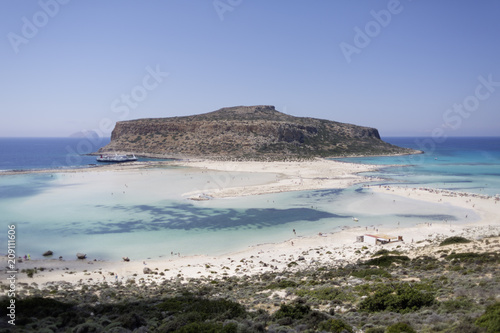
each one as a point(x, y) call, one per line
point(147, 214)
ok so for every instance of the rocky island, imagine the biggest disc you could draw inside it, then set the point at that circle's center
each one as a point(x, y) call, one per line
point(246, 133)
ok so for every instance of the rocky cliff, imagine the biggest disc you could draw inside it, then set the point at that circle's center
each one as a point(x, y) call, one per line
point(246, 132)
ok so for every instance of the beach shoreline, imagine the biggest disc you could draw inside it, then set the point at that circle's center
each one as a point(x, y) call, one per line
point(330, 248)
point(335, 249)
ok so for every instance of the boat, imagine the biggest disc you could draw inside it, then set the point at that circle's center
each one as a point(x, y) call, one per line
point(116, 158)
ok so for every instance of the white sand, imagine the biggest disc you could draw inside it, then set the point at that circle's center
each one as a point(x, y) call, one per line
point(328, 249)
point(487, 207)
point(295, 176)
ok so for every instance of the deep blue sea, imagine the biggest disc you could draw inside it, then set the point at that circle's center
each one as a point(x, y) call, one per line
point(146, 214)
point(48, 153)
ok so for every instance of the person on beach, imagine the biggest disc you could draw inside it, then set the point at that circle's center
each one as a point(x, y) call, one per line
point(294, 232)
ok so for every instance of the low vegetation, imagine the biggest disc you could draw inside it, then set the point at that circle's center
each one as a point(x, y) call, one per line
point(454, 240)
point(391, 292)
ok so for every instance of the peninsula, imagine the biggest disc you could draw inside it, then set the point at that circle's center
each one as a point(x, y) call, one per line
point(246, 133)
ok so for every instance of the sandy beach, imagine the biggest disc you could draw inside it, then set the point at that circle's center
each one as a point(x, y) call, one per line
point(330, 249)
point(333, 249)
point(294, 176)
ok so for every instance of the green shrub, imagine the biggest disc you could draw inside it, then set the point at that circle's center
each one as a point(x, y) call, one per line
point(180, 320)
point(386, 261)
point(219, 309)
point(203, 327)
point(295, 311)
point(283, 284)
point(466, 326)
point(37, 308)
point(400, 328)
point(454, 240)
point(472, 257)
point(325, 294)
point(29, 272)
point(334, 325)
point(401, 298)
point(42, 307)
point(381, 252)
point(367, 273)
point(490, 319)
point(131, 321)
point(459, 303)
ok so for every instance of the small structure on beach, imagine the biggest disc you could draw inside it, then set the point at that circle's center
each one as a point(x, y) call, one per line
point(380, 239)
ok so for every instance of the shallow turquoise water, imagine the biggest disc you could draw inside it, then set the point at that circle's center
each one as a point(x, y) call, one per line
point(109, 215)
point(460, 164)
point(147, 217)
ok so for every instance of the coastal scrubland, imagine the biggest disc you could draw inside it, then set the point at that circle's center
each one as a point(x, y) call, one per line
point(447, 285)
point(442, 278)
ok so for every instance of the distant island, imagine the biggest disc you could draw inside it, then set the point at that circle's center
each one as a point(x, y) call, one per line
point(246, 133)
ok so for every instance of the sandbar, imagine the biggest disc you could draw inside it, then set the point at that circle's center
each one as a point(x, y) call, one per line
point(333, 249)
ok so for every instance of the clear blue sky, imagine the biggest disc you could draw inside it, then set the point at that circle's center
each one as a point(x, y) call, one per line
point(68, 66)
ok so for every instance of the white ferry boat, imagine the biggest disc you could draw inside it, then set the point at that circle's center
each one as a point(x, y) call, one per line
point(116, 158)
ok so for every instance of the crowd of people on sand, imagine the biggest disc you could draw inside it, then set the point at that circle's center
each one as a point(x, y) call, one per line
point(449, 193)
point(458, 193)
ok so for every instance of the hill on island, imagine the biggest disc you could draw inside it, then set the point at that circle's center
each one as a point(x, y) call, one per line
point(246, 132)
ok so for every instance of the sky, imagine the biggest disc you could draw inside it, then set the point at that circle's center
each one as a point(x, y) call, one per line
point(407, 68)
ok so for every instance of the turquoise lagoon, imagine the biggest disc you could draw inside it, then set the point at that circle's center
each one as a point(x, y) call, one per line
point(145, 214)
point(467, 164)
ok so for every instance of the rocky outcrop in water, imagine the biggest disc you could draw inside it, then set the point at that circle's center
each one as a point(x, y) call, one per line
point(246, 132)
